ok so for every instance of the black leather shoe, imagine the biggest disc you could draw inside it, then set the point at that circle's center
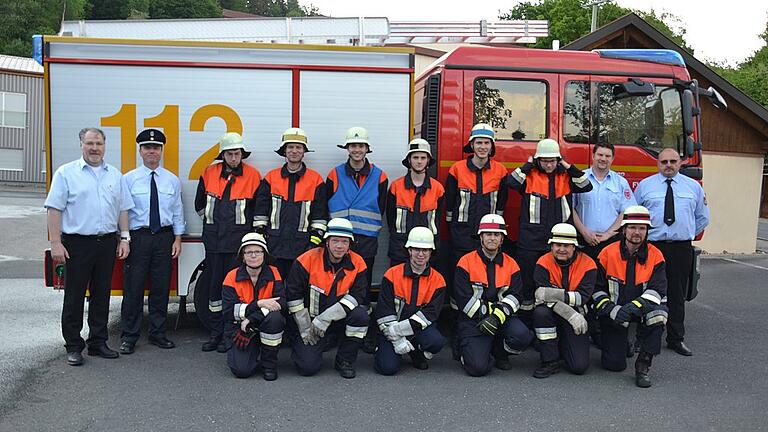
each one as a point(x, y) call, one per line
point(419, 360)
point(127, 348)
point(102, 351)
point(269, 374)
point(547, 369)
point(162, 341)
point(222, 347)
point(345, 369)
point(680, 348)
point(74, 358)
point(211, 344)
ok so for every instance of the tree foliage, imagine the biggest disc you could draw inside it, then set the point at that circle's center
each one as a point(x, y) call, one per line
point(572, 19)
point(281, 8)
point(20, 19)
point(184, 9)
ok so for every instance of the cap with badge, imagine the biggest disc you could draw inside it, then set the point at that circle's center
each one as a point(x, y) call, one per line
point(150, 137)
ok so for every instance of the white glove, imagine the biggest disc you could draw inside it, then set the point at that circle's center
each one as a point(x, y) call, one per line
point(398, 330)
point(302, 322)
point(575, 319)
point(548, 295)
point(402, 346)
point(321, 322)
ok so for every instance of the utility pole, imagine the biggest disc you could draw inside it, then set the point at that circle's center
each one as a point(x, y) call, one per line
point(595, 6)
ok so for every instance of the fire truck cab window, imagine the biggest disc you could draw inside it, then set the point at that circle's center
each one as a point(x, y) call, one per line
point(652, 122)
point(517, 110)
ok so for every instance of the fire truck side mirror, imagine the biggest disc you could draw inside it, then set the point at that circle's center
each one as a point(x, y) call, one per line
point(690, 148)
point(716, 98)
point(688, 112)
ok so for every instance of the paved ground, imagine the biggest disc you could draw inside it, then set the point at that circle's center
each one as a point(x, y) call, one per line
point(722, 387)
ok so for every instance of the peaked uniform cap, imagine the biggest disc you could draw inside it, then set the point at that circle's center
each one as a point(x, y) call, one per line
point(150, 137)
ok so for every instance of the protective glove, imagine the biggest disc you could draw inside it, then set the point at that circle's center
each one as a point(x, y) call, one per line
point(243, 338)
point(493, 321)
point(575, 319)
point(315, 238)
point(398, 330)
point(321, 322)
point(549, 295)
point(402, 346)
point(304, 324)
point(629, 310)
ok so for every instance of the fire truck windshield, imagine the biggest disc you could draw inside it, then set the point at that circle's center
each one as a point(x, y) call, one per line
point(598, 112)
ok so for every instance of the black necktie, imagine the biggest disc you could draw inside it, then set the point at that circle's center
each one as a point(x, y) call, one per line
point(154, 206)
point(669, 204)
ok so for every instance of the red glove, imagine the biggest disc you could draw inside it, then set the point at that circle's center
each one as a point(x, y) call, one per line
point(243, 338)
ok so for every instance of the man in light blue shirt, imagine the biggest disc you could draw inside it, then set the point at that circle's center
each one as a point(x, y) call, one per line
point(156, 222)
point(599, 212)
point(679, 213)
point(86, 204)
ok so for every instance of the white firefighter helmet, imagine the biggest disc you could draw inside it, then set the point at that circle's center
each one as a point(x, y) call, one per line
point(636, 214)
point(481, 130)
point(420, 237)
point(492, 223)
point(418, 145)
point(293, 135)
point(339, 227)
point(253, 239)
point(231, 141)
point(354, 135)
point(563, 233)
point(547, 148)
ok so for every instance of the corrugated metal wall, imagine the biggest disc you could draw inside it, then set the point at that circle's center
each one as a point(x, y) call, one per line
point(32, 139)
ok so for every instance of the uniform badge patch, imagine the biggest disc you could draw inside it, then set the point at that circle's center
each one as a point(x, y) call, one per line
point(627, 194)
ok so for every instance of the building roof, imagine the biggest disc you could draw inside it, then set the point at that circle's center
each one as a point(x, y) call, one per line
point(229, 13)
point(613, 29)
point(19, 64)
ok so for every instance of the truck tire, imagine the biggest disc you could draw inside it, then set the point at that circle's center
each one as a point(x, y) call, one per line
point(199, 285)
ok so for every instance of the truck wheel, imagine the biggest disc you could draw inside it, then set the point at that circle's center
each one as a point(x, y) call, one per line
point(199, 285)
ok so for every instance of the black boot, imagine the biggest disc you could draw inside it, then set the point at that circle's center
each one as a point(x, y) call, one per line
point(212, 343)
point(546, 369)
point(642, 367)
point(419, 360)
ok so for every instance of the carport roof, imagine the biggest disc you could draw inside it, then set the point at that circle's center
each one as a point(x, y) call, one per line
point(19, 64)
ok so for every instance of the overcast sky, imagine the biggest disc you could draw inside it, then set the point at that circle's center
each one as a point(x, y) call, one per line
point(723, 31)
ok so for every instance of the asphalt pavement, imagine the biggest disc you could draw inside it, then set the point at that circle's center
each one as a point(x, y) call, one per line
point(723, 387)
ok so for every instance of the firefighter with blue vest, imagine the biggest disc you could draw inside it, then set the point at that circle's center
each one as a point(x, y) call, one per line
point(414, 200)
point(546, 184)
point(357, 191)
point(291, 208)
point(326, 297)
point(565, 280)
point(408, 307)
point(225, 199)
point(487, 292)
point(253, 297)
point(631, 287)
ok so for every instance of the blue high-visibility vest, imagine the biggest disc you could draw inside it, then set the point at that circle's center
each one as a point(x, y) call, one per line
point(359, 205)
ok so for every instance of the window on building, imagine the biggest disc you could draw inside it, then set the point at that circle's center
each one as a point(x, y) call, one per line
point(516, 109)
point(13, 110)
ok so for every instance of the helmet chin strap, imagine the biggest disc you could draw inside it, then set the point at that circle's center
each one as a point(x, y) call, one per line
point(255, 267)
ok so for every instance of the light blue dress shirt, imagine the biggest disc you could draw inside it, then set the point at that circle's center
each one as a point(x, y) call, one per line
point(90, 203)
point(691, 211)
point(599, 207)
point(138, 182)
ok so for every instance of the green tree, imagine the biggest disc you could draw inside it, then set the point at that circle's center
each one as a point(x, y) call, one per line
point(184, 9)
point(20, 19)
point(571, 19)
point(281, 8)
point(237, 5)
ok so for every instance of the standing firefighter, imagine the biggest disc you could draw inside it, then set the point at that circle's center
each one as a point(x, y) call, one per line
point(225, 199)
point(291, 209)
point(631, 285)
point(357, 191)
point(409, 303)
point(326, 296)
point(546, 184)
point(253, 298)
point(486, 290)
point(414, 200)
point(565, 279)
point(474, 188)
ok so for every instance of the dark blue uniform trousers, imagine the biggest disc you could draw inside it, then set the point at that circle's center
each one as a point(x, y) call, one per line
point(613, 341)
point(387, 361)
point(476, 346)
point(309, 358)
point(573, 348)
point(245, 362)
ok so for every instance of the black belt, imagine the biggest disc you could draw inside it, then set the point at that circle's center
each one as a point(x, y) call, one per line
point(91, 237)
point(145, 230)
point(672, 241)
